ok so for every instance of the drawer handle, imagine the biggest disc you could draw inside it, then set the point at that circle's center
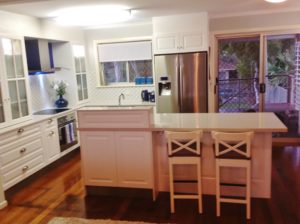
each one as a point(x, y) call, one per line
point(25, 168)
point(50, 121)
point(23, 150)
point(20, 130)
point(51, 133)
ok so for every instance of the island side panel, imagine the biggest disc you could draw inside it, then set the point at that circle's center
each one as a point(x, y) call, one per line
point(261, 166)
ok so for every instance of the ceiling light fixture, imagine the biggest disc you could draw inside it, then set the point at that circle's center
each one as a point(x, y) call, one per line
point(275, 1)
point(92, 15)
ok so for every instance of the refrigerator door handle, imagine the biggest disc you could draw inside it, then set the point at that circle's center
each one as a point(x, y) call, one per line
point(180, 89)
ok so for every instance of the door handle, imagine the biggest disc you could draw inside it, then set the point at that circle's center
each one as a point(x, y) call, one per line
point(262, 88)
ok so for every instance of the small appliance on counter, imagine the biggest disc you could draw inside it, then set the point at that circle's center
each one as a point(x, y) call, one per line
point(145, 95)
point(148, 96)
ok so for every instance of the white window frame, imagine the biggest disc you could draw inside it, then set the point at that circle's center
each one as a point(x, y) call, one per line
point(121, 40)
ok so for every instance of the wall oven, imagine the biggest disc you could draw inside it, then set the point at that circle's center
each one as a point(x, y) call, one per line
point(67, 131)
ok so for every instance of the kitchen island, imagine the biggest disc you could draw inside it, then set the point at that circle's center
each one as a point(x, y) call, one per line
point(144, 146)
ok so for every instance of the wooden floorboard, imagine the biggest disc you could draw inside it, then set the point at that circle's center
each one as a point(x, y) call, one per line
point(58, 191)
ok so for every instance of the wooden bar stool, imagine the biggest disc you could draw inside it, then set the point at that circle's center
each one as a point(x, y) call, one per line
point(184, 148)
point(233, 150)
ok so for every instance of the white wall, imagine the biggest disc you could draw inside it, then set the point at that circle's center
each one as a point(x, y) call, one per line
point(266, 22)
point(109, 95)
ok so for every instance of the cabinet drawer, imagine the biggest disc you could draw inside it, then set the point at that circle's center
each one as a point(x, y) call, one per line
point(11, 176)
point(21, 151)
point(50, 123)
point(12, 145)
point(19, 133)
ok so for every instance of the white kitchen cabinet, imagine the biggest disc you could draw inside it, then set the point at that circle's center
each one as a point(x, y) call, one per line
point(21, 154)
point(134, 159)
point(112, 157)
point(117, 159)
point(51, 140)
point(14, 106)
point(179, 42)
point(180, 33)
point(99, 158)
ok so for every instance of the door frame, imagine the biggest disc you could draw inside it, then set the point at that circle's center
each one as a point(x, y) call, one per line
point(262, 34)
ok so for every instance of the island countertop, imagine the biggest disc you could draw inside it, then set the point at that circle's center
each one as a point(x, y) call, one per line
point(259, 122)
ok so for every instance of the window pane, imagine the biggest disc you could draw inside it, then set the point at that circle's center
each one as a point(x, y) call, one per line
point(79, 87)
point(84, 86)
point(114, 72)
point(140, 68)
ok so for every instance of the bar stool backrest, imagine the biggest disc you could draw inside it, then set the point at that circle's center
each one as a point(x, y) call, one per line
point(233, 143)
point(184, 143)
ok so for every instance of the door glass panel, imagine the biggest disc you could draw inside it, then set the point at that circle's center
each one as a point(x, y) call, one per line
point(82, 64)
point(13, 94)
point(77, 65)
point(79, 87)
point(238, 74)
point(18, 58)
point(84, 86)
point(23, 97)
point(1, 106)
point(280, 79)
point(8, 58)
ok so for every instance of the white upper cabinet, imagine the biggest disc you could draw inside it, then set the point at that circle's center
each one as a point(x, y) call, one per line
point(180, 33)
point(14, 104)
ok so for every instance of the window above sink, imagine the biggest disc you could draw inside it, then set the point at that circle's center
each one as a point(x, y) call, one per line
point(125, 63)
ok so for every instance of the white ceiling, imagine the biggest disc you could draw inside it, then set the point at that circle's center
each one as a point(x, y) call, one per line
point(144, 10)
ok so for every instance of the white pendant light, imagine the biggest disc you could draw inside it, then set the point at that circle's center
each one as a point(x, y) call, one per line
point(275, 1)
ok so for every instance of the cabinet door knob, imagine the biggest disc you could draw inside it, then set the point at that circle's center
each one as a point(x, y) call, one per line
point(23, 150)
point(25, 168)
point(20, 130)
point(50, 121)
point(51, 133)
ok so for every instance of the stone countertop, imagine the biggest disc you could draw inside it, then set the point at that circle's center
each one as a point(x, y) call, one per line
point(35, 119)
point(259, 122)
point(115, 108)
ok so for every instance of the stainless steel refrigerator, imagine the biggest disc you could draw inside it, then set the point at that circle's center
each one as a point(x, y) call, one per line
point(181, 82)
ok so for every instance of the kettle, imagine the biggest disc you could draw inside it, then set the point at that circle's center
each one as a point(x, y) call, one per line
point(145, 95)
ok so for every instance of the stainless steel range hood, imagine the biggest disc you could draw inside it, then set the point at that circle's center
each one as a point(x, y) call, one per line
point(39, 56)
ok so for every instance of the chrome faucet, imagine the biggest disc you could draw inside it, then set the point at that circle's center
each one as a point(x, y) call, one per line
point(120, 97)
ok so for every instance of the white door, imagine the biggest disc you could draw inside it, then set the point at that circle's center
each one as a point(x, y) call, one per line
point(98, 158)
point(51, 141)
point(134, 159)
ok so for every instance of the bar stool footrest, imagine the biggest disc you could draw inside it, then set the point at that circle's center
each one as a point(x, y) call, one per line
point(185, 181)
point(233, 185)
point(231, 199)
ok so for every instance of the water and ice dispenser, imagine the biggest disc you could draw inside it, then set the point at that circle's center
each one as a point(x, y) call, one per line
point(164, 86)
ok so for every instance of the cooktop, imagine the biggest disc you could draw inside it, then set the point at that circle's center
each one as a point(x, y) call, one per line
point(51, 111)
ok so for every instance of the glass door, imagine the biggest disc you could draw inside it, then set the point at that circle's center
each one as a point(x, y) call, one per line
point(282, 80)
point(238, 74)
point(15, 77)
